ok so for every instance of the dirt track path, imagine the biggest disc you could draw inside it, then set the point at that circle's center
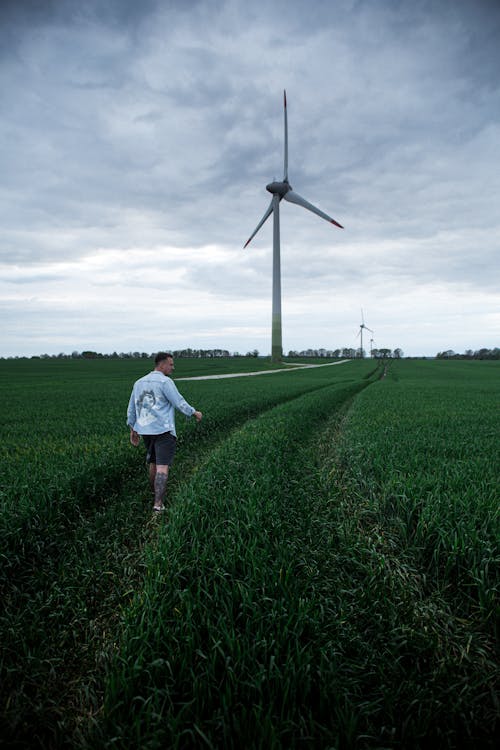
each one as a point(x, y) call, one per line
point(261, 372)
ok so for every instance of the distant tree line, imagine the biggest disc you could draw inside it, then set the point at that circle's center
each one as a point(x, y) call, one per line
point(344, 353)
point(469, 354)
point(189, 353)
point(347, 353)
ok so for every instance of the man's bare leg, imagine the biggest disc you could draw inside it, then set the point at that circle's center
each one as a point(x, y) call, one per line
point(152, 475)
point(160, 486)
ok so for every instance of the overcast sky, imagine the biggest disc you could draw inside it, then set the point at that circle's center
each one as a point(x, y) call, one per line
point(137, 139)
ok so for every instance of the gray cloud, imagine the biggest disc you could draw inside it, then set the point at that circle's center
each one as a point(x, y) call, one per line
point(158, 126)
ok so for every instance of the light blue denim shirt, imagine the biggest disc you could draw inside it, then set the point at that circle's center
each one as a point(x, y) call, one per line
point(152, 405)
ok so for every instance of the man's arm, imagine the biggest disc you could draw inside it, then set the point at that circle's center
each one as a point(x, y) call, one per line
point(131, 417)
point(180, 403)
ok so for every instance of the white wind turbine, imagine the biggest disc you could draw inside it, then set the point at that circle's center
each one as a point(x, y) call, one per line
point(281, 190)
point(360, 332)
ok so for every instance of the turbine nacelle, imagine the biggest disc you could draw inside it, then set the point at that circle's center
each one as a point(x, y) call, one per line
point(279, 188)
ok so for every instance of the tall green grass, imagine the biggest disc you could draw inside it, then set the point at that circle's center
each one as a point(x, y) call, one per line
point(326, 576)
point(289, 608)
point(72, 522)
point(423, 450)
point(220, 646)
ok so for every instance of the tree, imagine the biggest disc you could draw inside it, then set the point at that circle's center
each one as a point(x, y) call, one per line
point(385, 353)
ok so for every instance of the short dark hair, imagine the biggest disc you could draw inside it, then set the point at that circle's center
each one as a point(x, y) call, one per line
point(162, 356)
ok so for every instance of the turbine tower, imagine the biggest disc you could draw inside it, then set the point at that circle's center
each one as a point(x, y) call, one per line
point(281, 190)
point(360, 332)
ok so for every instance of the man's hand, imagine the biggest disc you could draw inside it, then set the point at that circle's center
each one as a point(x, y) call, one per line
point(134, 438)
point(198, 416)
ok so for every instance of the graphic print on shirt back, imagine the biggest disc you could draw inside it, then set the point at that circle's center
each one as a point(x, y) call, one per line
point(146, 403)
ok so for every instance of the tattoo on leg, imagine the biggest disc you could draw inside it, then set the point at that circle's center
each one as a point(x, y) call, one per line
point(160, 488)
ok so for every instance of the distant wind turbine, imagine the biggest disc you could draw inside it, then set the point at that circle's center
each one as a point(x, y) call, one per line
point(360, 332)
point(281, 190)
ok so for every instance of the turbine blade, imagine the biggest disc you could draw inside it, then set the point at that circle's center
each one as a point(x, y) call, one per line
point(264, 218)
point(285, 175)
point(293, 197)
point(368, 329)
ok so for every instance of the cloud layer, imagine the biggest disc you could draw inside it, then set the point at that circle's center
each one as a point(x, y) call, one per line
point(139, 139)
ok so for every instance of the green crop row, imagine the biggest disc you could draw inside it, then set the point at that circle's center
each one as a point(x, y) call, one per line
point(287, 605)
point(65, 439)
point(327, 575)
point(218, 647)
point(422, 454)
point(72, 520)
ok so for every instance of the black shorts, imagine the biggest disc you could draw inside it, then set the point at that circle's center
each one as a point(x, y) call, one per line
point(160, 448)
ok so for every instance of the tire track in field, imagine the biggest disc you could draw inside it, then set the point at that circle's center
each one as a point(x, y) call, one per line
point(65, 604)
point(214, 468)
point(185, 467)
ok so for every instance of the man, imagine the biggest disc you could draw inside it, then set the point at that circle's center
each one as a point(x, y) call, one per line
point(151, 413)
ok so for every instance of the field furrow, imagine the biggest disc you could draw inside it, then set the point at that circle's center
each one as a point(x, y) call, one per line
point(222, 635)
point(327, 574)
point(72, 552)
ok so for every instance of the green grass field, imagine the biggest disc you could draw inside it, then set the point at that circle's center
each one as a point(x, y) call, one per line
point(326, 575)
